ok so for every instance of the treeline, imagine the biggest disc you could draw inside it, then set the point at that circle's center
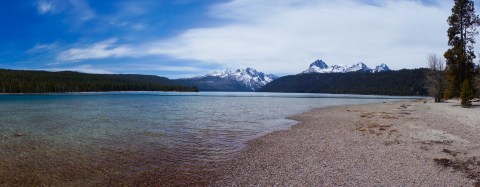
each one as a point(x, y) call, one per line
point(19, 81)
point(401, 83)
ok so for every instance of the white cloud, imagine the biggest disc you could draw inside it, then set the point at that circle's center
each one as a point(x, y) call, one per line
point(284, 36)
point(41, 47)
point(44, 7)
point(100, 50)
point(82, 10)
point(168, 68)
point(77, 10)
point(83, 68)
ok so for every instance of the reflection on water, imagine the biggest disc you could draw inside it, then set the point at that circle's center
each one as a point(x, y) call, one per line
point(139, 137)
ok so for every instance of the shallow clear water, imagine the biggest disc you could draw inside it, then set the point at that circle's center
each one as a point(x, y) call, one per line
point(91, 135)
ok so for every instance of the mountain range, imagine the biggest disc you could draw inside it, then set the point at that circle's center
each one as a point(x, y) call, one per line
point(247, 79)
point(319, 66)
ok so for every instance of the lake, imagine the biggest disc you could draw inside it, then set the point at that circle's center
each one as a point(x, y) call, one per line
point(140, 137)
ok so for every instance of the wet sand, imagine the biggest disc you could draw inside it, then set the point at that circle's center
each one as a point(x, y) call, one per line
point(409, 143)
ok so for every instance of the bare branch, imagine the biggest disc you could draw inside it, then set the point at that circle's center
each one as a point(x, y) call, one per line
point(435, 77)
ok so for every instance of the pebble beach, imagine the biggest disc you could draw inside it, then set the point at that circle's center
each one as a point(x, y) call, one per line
point(408, 143)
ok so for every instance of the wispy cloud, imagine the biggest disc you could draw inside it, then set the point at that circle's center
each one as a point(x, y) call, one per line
point(45, 6)
point(41, 48)
point(99, 50)
point(82, 10)
point(153, 67)
point(79, 10)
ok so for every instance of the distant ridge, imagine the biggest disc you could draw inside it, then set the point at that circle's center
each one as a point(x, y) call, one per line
point(403, 82)
point(247, 79)
point(319, 66)
point(21, 81)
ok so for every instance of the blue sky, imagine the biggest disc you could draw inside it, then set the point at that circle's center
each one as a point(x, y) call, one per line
point(184, 38)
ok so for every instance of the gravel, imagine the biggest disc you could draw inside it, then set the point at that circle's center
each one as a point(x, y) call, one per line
point(408, 143)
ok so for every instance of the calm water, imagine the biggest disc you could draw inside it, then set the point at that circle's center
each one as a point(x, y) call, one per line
point(98, 138)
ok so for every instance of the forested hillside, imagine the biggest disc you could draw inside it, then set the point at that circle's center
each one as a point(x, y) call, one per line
point(211, 83)
point(403, 82)
point(18, 81)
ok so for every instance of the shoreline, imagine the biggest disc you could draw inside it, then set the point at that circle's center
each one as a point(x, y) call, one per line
point(394, 143)
point(56, 145)
point(52, 93)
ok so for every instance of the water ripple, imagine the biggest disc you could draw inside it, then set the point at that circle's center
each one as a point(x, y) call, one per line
point(123, 138)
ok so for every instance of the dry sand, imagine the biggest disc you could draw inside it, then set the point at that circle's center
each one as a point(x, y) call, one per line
point(409, 143)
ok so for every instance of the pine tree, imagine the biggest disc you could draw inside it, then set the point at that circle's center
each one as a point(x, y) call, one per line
point(466, 94)
point(461, 38)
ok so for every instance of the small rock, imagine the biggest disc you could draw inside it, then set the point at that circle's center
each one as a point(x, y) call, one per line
point(18, 134)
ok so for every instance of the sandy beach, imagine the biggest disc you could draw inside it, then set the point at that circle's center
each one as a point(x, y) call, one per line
point(410, 143)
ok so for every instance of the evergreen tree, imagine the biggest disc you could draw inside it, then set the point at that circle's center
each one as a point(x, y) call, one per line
point(461, 38)
point(18, 81)
point(402, 82)
point(466, 94)
point(477, 79)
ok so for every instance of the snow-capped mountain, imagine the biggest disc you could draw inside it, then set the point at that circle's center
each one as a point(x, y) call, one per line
point(380, 68)
point(247, 79)
point(320, 66)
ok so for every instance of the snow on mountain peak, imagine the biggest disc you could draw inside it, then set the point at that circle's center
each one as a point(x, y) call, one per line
point(249, 77)
point(317, 66)
point(358, 67)
point(341, 68)
point(380, 68)
point(320, 66)
point(222, 74)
